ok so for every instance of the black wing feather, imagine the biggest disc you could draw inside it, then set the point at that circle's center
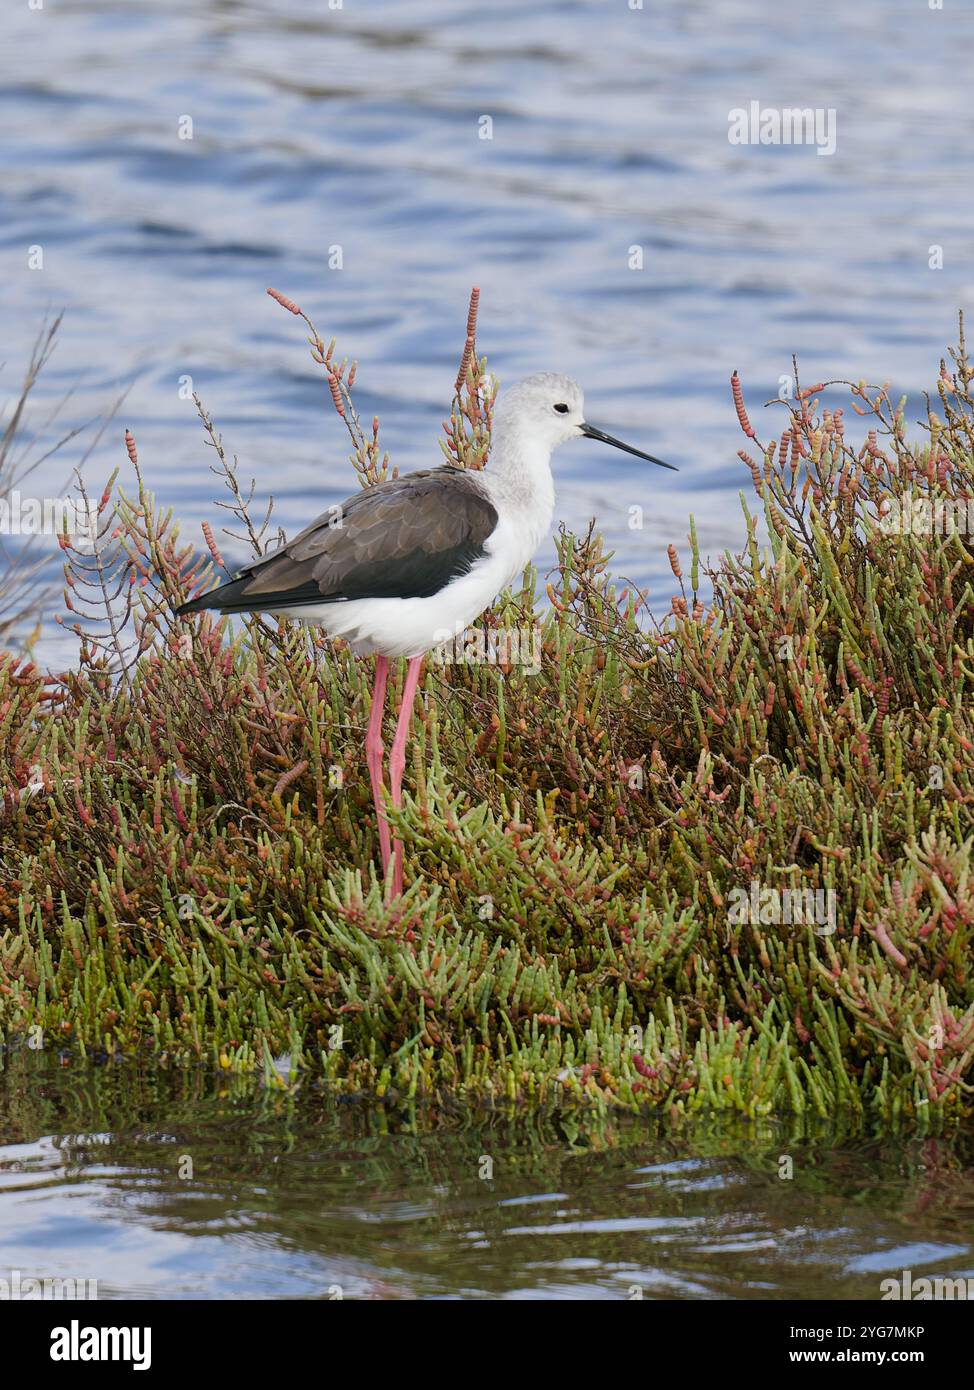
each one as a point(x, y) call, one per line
point(403, 539)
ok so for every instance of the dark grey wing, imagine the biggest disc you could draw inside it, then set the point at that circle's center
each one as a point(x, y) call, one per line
point(401, 539)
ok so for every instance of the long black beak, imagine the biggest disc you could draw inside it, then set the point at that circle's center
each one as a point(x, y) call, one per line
point(591, 432)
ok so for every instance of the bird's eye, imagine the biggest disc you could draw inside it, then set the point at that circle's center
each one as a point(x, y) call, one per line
point(562, 409)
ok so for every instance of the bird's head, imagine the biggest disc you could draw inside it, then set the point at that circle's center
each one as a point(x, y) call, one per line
point(549, 409)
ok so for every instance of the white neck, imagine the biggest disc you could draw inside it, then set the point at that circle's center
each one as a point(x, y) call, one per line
point(521, 468)
point(518, 479)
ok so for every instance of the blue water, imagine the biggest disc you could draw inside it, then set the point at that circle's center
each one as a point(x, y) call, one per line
point(160, 1184)
point(359, 127)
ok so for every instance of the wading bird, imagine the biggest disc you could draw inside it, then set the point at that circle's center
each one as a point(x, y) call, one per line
point(406, 565)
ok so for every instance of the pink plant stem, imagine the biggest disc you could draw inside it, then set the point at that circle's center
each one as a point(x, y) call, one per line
point(397, 758)
point(880, 933)
point(373, 755)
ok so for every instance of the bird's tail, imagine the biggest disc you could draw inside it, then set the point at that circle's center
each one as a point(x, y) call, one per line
point(225, 598)
point(195, 605)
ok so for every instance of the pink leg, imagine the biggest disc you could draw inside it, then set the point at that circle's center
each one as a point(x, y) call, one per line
point(397, 758)
point(373, 755)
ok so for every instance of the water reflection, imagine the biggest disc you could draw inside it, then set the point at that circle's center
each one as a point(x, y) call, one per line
point(296, 1195)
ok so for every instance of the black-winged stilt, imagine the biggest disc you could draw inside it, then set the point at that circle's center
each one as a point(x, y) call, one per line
point(403, 564)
